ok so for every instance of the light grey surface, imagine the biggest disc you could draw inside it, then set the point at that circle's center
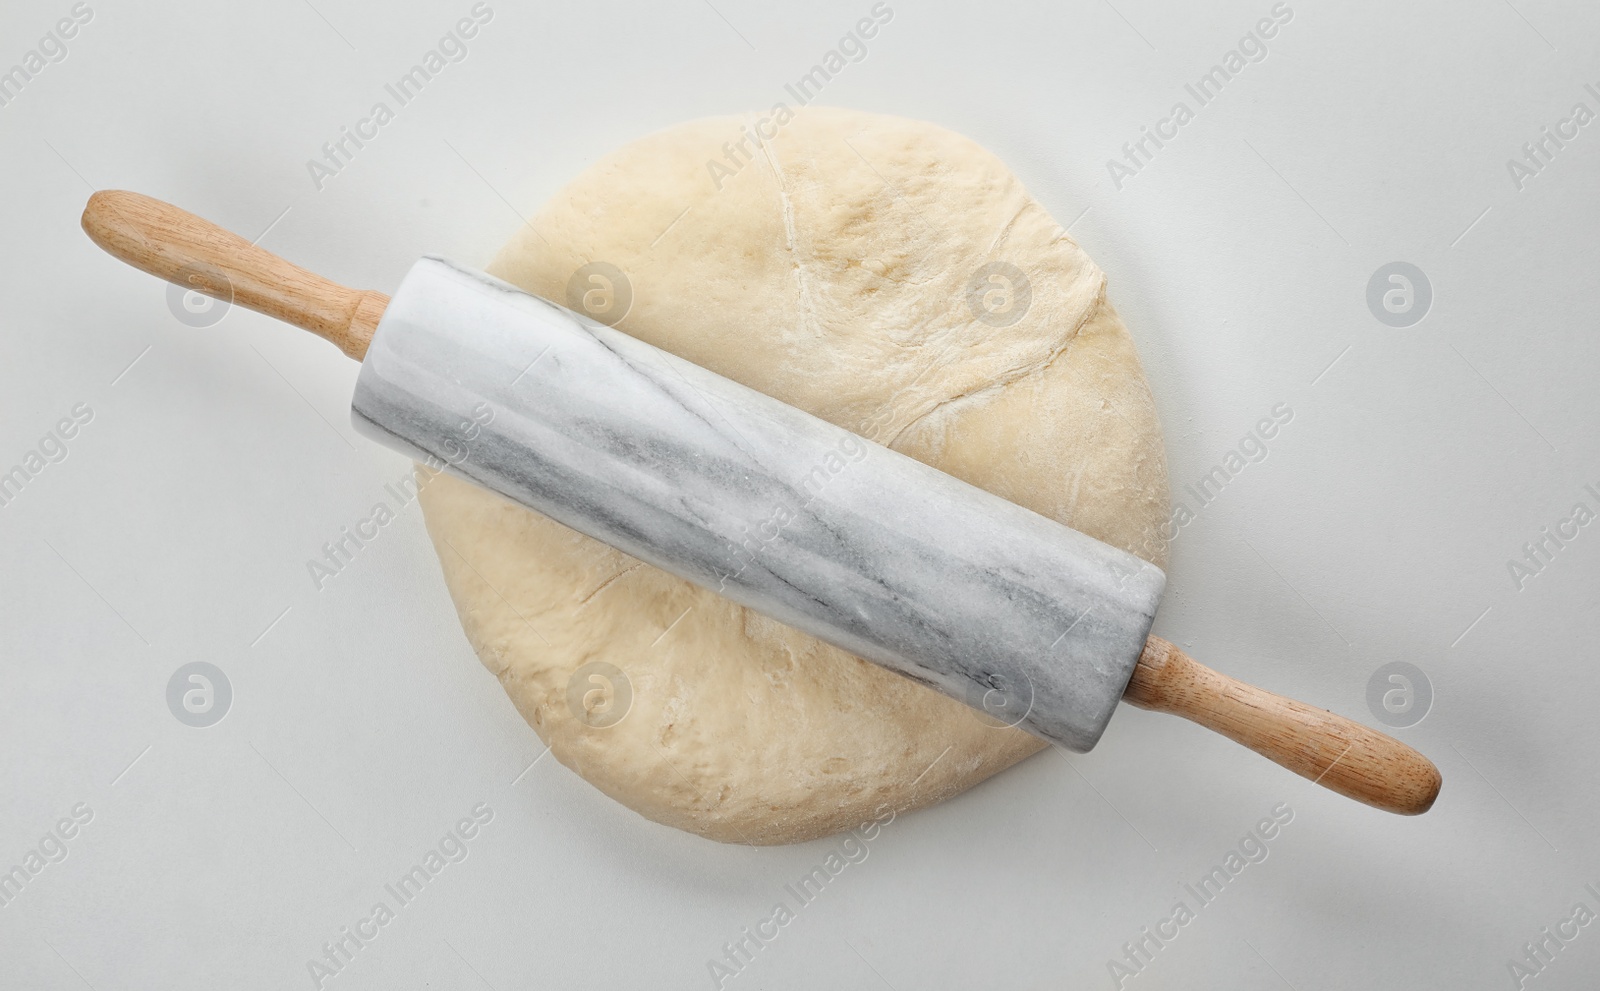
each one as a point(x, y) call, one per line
point(1032, 622)
point(1377, 529)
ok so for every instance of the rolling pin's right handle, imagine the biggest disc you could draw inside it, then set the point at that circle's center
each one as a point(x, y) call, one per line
point(1335, 752)
point(185, 250)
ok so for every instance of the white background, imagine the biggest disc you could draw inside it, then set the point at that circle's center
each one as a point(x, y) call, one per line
point(1418, 462)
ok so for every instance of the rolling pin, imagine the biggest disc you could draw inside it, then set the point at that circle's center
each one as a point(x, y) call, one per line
point(1036, 624)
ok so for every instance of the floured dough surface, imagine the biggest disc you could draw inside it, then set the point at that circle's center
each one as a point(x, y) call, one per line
point(883, 274)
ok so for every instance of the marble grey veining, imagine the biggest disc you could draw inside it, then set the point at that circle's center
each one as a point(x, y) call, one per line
point(1038, 625)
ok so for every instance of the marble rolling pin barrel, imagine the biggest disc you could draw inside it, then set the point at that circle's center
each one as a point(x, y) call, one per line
point(905, 566)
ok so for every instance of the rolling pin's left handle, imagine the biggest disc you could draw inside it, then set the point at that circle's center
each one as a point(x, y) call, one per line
point(1335, 752)
point(185, 250)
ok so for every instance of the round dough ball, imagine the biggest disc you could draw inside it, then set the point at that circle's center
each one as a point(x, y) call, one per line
point(890, 277)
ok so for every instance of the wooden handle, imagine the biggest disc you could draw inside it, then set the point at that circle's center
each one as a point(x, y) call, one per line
point(1332, 751)
point(185, 250)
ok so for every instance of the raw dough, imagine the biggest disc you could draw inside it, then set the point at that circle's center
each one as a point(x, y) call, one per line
point(863, 268)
